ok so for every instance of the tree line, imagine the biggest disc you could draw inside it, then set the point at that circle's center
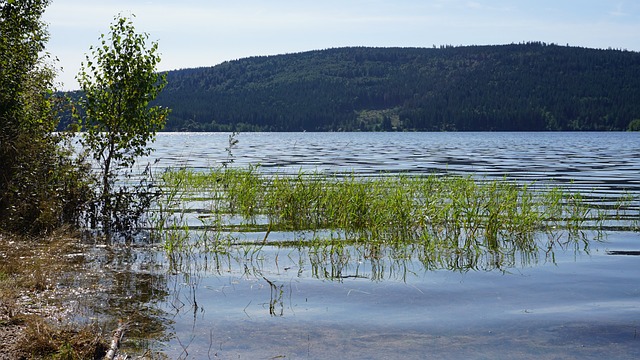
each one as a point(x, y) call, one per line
point(517, 87)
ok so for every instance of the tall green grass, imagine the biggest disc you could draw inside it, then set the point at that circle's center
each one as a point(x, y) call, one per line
point(387, 209)
point(443, 221)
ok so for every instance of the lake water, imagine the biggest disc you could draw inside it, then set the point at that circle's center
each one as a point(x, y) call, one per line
point(593, 159)
point(284, 303)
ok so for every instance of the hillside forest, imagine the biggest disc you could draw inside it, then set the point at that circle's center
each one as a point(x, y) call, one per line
point(517, 87)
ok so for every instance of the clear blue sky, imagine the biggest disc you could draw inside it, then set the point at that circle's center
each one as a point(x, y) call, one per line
point(193, 33)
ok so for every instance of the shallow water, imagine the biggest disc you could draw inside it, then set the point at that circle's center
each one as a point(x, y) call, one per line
point(289, 303)
point(273, 302)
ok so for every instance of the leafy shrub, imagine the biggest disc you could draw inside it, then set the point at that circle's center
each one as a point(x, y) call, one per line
point(42, 186)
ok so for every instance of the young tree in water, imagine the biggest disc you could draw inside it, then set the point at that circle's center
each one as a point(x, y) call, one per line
point(119, 80)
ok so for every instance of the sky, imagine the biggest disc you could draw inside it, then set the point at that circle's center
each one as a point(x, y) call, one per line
point(196, 33)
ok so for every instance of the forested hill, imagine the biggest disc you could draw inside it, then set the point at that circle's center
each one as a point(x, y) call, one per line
point(517, 87)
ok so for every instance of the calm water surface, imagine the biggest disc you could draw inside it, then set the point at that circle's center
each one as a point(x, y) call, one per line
point(281, 303)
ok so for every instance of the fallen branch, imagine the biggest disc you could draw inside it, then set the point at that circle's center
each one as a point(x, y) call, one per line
point(115, 341)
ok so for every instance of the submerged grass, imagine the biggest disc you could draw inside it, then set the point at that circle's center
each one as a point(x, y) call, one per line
point(449, 218)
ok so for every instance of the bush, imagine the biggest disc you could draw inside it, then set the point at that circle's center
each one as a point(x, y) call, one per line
point(42, 186)
point(47, 187)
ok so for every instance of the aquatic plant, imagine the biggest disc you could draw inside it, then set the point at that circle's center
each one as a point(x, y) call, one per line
point(445, 221)
point(402, 206)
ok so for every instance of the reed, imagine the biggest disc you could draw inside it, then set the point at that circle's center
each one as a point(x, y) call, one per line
point(447, 219)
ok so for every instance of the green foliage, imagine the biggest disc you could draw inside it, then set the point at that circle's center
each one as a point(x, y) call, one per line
point(389, 208)
point(450, 222)
point(119, 80)
point(634, 125)
point(41, 185)
point(518, 87)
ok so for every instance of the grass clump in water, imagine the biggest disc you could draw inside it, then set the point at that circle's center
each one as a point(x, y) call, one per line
point(442, 212)
point(336, 222)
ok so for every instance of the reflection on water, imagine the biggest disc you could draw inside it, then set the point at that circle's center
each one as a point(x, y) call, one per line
point(298, 302)
point(158, 294)
point(125, 283)
point(293, 299)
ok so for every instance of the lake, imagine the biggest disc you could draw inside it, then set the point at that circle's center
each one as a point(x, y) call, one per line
point(286, 302)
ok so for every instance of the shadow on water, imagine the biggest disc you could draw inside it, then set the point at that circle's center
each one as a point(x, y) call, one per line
point(623, 252)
